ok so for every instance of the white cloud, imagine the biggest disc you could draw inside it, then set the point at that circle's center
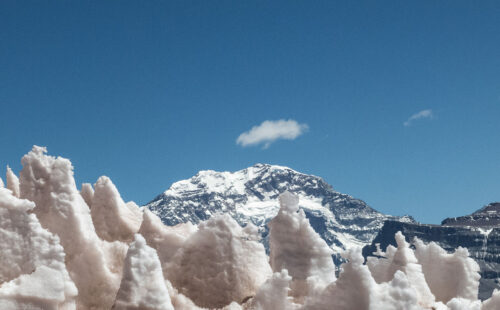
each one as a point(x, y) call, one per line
point(270, 131)
point(420, 115)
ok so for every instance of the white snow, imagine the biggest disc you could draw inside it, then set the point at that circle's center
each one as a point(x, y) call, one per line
point(113, 218)
point(219, 263)
point(295, 246)
point(401, 259)
point(32, 271)
point(12, 182)
point(485, 232)
point(357, 289)
point(142, 285)
point(167, 240)
point(94, 265)
point(441, 269)
point(87, 193)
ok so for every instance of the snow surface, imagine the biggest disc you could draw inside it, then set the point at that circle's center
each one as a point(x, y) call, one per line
point(52, 257)
point(95, 266)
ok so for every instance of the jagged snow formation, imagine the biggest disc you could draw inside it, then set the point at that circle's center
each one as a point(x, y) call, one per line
point(142, 285)
point(52, 258)
point(273, 294)
point(295, 246)
point(357, 289)
point(441, 269)
point(94, 265)
point(219, 263)
point(87, 193)
point(113, 218)
point(167, 240)
point(12, 182)
point(32, 270)
point(401, 259)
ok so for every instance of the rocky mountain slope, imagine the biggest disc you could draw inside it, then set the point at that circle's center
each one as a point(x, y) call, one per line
point(487, 217)
point(478, 232)
point(251, 195)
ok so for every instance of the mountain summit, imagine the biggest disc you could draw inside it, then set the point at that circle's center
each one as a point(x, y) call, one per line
point(251, 196)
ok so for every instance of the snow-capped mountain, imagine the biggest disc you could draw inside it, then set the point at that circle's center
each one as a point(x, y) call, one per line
point(251, 195)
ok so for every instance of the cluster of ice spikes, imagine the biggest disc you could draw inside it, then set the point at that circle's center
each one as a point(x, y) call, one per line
point(61, 248)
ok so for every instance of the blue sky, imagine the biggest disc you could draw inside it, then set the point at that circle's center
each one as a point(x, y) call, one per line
point(150, 92)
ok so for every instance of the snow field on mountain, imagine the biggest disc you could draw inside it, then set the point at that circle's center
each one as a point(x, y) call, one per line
point(61, 248)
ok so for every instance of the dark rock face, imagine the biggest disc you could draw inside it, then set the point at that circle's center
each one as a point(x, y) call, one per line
point(483, 246)
point(488, 216)
point(251, 195)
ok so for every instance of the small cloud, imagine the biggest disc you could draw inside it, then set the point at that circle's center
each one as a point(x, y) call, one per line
point(270, 131)
point(420, 115)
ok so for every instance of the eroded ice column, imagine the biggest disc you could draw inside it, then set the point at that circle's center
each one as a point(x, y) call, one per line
point(295, 246)
point(33, 274)
point(357, 289)
point(218, 264)
point(113, 218)
point(87, 193)
point(166, 240)
point(401, 259)
point(12, 182)
point(441, 269)
point(493, 303)
point(142, 285)
point(94, 265)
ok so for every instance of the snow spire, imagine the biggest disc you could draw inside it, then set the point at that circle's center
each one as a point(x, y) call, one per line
point(295, 246)
point(87, 193)
point(12, 182)
point(113, 218)
point(219, 264)
point(95, 266)
point(142, 285)
point(33, 273)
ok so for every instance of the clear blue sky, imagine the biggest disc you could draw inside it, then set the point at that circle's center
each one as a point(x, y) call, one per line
point(150, 92)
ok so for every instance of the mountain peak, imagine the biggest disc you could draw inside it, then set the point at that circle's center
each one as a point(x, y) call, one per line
point(251, 195)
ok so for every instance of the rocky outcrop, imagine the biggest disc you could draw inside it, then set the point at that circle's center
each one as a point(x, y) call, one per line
point(486, 217)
